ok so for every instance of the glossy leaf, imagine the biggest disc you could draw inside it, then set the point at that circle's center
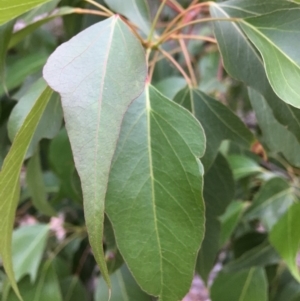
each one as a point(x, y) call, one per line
point(9, 180)
point(49, 123)
point(19, 35)
point(284, 75)
point(46, 288)
point(275, 135)
point(218, 121)
point(285, 238)
point(262, 255)
point(28, 246)
point(137, 11)
point(241, 60)
point(154, 197)
point(124, 288)
point(13, 8)
point(230, 219)
point(104, 83)
point(271, 202)
point(246, 285)
point(36, 186)
point(216, 202)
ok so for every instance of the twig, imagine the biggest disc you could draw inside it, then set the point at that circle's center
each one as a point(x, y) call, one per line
point(96, 4)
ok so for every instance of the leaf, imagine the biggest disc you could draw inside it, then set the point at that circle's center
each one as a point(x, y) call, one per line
point(285, 238)
point(49, 123)
point(259, 256)
point(36, 186)
point(246, 285)
point(243, 166)
point(46, 288)
point(19, 35)
point(154, 197)
point(9, 180)
point(230, 219)
point(137, 11)
point(97, 83)
point(21, 68)
point(170, 86)
point(5, 35)
point(62, 162)
point(216, 202)
point(124, 288)
point(241, 60)
point(28, 246)
point(275, 135)
point(218, 121)
point(13, 8)
point(273, 34)
point(271, 202)
point(73, 289)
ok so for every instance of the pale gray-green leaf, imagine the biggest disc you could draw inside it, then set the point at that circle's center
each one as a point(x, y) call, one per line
point(28, 246)
point(98, 73)
point(136, 11)
point(154, 198)
point(50, 122)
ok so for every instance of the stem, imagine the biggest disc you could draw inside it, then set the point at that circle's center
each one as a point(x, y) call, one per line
point(172, 60)
point(194, 37)
point(78, 10)
point(133, 28)
point(165, 36)
point(174, 5)
point(110, 13)
point(152, 65)
point(156, 19)
point(188, 62)
point(173, 22)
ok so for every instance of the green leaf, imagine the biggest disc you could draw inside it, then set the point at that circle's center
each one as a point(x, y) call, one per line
point(216, 201)
point(28, 246)
point(46, 288)
point(19, 35)
point(243, 166)
point(9, 180)
point(13, 8)
point(49, 123)
point(154, 196)
point(259, 256)
point(97, 83)
point(124, 288)
point(285, 238)
point(36, 186)
point(230, 219)
point(277, 37)
point(218, 121)
point(22, 67)
point(137, 11)
point(5, 35)
point(73, 289)
point(246, 285)
point(275, 135)
point(170, 86)
point(271, 202)
point(241, 60)
point(62, 162)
